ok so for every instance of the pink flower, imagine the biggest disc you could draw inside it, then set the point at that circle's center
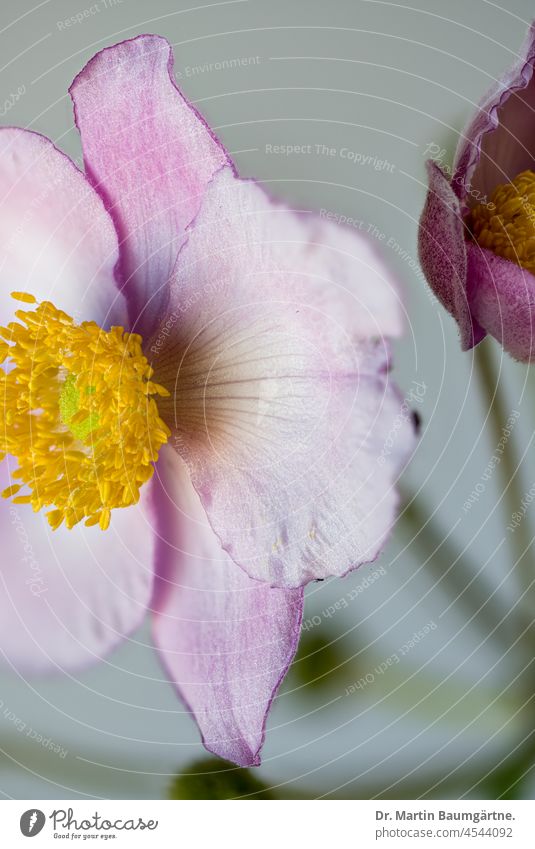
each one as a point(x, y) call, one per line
point(183, 317)
point(477, 231)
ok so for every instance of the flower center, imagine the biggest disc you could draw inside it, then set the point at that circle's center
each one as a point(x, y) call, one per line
point(506, 225)
point(78, 413)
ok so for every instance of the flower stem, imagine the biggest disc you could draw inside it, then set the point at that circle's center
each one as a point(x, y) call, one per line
point(520, 539)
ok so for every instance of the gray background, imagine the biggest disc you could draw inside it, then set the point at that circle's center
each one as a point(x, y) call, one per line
point(383, 80)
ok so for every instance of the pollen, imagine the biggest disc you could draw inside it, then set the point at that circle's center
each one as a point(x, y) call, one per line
point(506, 225)
point(78, 412)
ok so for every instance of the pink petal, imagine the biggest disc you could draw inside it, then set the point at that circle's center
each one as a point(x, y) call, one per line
point(56, 239)
point(503, 301)
point(338, 267)
point(150, 155)
point(442, 252)
point(225, 640)
point(283, 408)
point(69, 597)
point(498, 142)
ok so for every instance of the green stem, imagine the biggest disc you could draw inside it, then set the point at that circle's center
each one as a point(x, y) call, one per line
point(453, 571)
point(520, 540)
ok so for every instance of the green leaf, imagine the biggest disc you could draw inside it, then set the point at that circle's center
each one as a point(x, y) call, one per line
point(212, 778)
point(320, 663)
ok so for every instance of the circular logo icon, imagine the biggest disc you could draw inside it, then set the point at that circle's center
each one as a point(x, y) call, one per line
point(32, 822)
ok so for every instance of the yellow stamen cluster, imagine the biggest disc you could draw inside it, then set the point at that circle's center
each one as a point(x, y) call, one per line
point(78, 413)
point(506, 225)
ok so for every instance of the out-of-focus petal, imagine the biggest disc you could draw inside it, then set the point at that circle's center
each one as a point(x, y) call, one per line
point(284, 412)
point(150, 155)
point(442, 251)
point(503, 300)
point(498, 141)
point(225, 640)
point(56, 239)
point(69, 597)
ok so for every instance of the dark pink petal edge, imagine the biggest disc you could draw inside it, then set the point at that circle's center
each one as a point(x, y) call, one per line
point(486, 119)
point(442, 252)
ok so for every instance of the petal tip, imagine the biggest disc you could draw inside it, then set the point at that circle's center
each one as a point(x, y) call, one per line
point(121, 47)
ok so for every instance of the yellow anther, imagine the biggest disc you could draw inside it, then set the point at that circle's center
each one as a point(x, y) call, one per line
point(25, 297)
point(78, 413)
point(11, 490)
point(506, 225)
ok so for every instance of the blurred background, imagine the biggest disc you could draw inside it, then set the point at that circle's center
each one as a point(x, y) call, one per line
point(367, 89)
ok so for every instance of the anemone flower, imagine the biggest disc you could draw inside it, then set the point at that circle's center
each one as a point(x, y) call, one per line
point(477, 231)
point(173, 318)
